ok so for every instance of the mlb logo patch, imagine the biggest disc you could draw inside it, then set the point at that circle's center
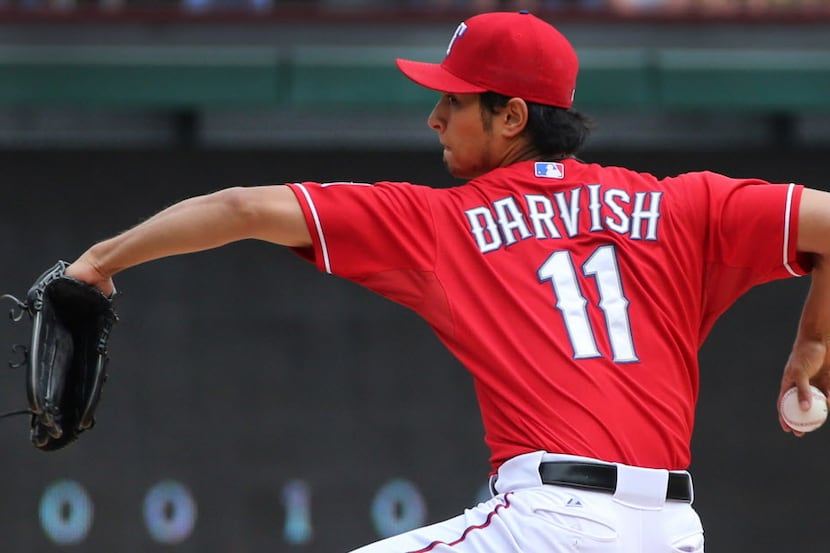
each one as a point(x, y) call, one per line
point(549, 170)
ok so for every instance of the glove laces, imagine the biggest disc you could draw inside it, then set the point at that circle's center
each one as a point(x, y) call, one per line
point(16, 314)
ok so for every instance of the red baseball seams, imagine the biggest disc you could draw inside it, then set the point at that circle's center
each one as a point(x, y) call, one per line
point(466, 532)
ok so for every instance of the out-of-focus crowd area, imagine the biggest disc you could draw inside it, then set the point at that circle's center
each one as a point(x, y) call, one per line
point(622, 7)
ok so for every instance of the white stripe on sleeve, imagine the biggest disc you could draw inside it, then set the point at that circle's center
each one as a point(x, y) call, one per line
point(787, 215)
point(323, 247)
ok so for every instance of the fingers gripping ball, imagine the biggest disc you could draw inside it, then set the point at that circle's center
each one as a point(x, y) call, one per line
point(803, 421)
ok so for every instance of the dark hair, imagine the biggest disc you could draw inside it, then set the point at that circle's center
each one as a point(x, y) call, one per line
point(553, 132)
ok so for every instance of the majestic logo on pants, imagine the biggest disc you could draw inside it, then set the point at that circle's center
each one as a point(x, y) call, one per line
point(573, 502)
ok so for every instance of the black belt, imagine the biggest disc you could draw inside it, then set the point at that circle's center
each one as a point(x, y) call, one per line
point(599, 477)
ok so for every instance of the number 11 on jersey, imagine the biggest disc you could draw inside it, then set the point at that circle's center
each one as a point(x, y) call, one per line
point(603, 269)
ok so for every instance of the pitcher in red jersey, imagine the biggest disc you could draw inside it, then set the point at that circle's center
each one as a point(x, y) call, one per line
point(576, 295)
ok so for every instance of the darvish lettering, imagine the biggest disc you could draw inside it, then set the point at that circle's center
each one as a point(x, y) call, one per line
point(538, 216)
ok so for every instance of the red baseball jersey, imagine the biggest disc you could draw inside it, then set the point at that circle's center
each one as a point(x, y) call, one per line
point(577, 295)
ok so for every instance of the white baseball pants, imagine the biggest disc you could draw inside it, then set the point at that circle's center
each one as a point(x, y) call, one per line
point(527, 516)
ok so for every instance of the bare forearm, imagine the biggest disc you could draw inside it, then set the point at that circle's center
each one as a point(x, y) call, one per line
point(814, 326)
point(808, 360)
point(201, 223)
point(193, 225)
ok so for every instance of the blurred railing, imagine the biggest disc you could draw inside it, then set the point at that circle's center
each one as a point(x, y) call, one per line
point(782, 10)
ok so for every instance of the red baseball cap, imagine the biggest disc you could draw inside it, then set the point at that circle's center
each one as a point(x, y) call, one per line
point(511, 53)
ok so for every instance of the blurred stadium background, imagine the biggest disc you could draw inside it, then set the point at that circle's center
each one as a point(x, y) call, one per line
point(255, 404)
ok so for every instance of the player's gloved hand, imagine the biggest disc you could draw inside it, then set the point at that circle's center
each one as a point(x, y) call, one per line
point(67, 355)
point(85, 271)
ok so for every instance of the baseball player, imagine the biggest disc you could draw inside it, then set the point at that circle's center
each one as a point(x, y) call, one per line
point(576, 295)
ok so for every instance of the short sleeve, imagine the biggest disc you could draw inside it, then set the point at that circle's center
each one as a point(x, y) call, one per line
point(754, 226)
point(361, 229)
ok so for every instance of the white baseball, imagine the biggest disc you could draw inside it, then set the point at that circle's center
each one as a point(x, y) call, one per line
point(803, 421)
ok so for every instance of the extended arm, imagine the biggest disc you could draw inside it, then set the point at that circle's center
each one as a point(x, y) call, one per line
point(809, 362)
point(269, 213)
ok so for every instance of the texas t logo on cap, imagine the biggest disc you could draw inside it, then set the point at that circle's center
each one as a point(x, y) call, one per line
point(515, 54)
point(458, 33)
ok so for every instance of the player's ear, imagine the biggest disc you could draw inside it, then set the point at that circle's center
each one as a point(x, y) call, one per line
point(514, 117)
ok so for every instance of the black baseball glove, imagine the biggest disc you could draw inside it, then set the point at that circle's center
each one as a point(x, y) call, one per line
point(66, 361)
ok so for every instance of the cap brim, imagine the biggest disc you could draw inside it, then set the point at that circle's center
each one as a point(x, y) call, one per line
point(435, 77)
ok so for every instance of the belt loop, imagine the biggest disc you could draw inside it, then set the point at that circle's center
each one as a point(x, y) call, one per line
point(519, 472)
point(492, 484)
point(690, 484)
point(640, 487)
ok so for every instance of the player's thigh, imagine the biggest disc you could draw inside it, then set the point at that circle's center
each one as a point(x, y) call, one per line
point(543, 519)
point(682, 529)
point(480, 529)
point(562, 520)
